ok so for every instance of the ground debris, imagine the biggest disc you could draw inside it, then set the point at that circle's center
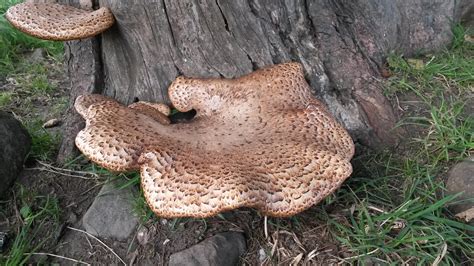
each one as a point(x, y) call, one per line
point(52, 123)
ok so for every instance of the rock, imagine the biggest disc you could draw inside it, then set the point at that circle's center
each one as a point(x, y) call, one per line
point(15, 144)
point(143, 236)
point(221, 249)
point(461, 179)
point(262, 256)
point(111, 213)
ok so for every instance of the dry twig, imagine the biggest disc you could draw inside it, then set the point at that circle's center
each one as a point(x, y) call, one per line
point(65, 172)
point(57, 256)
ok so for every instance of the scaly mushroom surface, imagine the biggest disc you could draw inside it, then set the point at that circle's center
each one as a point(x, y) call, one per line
point(258, 141)
point(51, 21)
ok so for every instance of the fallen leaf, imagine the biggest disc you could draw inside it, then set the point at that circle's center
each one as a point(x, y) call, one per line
point(417, 64)
point(466, 215)
point(399, 224)
point(385, 72)
point(52, 123)
point(469, 38)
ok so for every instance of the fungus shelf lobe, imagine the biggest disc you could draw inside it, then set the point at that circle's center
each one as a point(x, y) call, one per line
point(52, 21)
point(258, 141)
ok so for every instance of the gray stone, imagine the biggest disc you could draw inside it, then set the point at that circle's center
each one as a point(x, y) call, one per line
point(221, 249)
point(461, 179)
point(111, 213)
point(15, 144)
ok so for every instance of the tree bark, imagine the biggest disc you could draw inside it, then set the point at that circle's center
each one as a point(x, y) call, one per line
point(84, 68)
point(342, 46)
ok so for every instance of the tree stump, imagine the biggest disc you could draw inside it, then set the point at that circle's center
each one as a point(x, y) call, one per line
point(342, 46)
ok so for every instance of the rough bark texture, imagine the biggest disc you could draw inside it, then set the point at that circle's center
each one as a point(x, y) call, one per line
point(341, 44)
point(85, 74)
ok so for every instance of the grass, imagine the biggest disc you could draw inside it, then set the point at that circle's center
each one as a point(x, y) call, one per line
point(453, 67)
point(5, 98)
point(450, 134)
point(399, 215)
point(399, 209)
point(43, 143)
point(29, 82)
point(23, 82)
point(13, 43)
point(35, 212)
point(141, 209)
point(36, 80)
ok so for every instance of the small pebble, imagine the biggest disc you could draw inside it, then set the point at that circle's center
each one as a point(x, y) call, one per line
point(261, 255)
point(143, 236)
point(469, 38)
point(52, 123)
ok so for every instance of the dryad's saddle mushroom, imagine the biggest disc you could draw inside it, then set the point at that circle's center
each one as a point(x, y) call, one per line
point(258, 141)
point(51, 21)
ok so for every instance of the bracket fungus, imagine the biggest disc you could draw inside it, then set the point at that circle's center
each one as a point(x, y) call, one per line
point(259, 141)
point(51, 21)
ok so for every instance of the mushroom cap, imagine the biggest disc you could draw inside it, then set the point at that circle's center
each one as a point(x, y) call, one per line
point(51, 21)
point(258, 141)
point(98, 141)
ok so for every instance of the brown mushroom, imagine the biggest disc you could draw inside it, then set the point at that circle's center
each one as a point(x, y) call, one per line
point(258, 141)
point(51, 21)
